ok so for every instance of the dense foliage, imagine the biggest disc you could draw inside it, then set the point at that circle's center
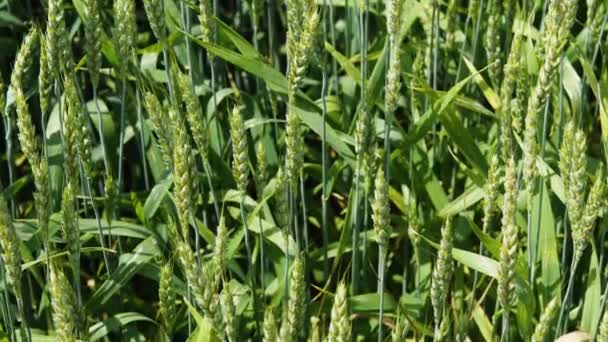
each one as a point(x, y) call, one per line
point(290, 170)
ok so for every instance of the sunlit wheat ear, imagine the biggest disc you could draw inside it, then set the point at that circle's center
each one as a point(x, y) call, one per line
point(182, 179)
point(58, 43)
point(521, 94)
point(292, 323)
point(492, 39)
point(25, 59)
point(261, 172)
point(490, 204)
point(69, 226)
point(39, 166)
point(125, 32)
point(393, 78)
point(45, 76)
point(559, 21)
point(508, 251)
point(63, 301)
point(340, 327)
point(270, 326)
point(27, 131)
point(594, 208)
point(93, 29)
point(10, 249)
point(240, 156)
point(509, 109)
point(281, 201)
point(205, 282)
point(364, 137)
point(221, 242)
point(381, 209)
point(85, 142)
point(315, 330)
point(301, 40)
point(194, 117)
point(572, 166)
point(442, 274)
point(544, 323)
point(205, 17)
point(159, 117)
point(156, 18)
point(229, 314)
point(294, 144)
point(566, 157)
point(166, 295)
point(71, 133)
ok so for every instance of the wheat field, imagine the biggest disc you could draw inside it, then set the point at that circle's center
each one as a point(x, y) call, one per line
point(303, 170)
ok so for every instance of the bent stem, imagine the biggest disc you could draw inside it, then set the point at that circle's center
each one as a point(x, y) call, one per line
point(566, 301)
point(251, 270)
point(211, 189)
point(87, 186)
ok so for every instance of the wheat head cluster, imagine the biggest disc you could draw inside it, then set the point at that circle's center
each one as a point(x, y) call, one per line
point(303, 170)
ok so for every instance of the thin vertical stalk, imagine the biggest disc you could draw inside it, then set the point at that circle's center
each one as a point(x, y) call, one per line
point(189, 294)
point(168, 73)
point(324, 174)
point(123, 99)
point(100, 129)
point(217, 117)
point(216, 206)
point(355, 246)
point(262, 258)
point(9, 156)
point(293, 222)
point(347, 29)
point(381, 265)
point(25, 329)
point(504, 336)
point(304, 215)
point(476, 35)
point(435, 43)
point(365, 225)
point(185, 13)
point(463, 48)
point(272, 47)
point(6, 302)
point(332, 34)
point(602, 309)
point(140, 118)
point(121, 136)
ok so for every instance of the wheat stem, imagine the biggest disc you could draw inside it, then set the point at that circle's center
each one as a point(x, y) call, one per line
point(9, 318)
point(355, 244)
point(102, 138)
point(602, 309)
point(324, 195)
point(87, 186)
point(121, 136)
point(562, 320)
point(9, 157)
point(381, 265)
